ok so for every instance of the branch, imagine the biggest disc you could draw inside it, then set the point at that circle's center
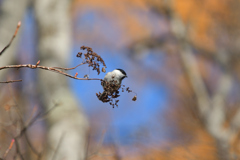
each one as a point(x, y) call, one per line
point(12, 81)
point(58, 146)
point(8, 45)
point(196, 80)
point(235, 123)
point(18, 152)
point(34, 119)
point(23, 132)
point(91, 58)
point(217, 117)
point(98, 147)
point(179, 30)
point(69, 68)
point(9, 148)
point(52, 69)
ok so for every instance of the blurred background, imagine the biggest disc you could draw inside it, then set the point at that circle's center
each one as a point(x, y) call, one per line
point(182, 61)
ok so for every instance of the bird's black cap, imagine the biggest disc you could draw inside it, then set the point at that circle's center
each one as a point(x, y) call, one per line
point(123, 72)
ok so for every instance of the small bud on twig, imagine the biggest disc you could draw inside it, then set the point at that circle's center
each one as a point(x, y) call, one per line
point(76, 74)
point(38, 62)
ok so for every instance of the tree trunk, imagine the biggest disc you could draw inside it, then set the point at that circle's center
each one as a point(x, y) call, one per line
point(67, 125)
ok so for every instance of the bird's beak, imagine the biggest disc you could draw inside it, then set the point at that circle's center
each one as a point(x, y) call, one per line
point(126, 76)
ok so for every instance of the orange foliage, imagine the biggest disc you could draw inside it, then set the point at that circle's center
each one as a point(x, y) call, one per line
point(203, 147)
point(203, 17)
point(195, 14)
point(235, 147)
point(122, 13)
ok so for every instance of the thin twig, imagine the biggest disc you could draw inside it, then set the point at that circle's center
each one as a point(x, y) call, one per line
point(18, 149)
point(23, 131)
point(9, 148)
point(69, 68)
point(87, 145)
point(12, 81)
point(98, 147)
point(52, 69)
point(34, 150)
point(42, 152)
point(8, 45)
point(33, 120)
point(33, 112)
point(58, 145)
point(16, 107)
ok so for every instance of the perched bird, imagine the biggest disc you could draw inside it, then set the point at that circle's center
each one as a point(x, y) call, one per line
point(112, 82)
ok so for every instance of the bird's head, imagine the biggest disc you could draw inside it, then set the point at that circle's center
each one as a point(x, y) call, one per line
point(120, 73)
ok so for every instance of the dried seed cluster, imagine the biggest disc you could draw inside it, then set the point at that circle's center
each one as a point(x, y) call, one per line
point(111, 92)
point(92, 59)
point(129, 91)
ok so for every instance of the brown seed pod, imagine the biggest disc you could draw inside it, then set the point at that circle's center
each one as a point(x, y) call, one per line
point(134, 98)
point(103, 70)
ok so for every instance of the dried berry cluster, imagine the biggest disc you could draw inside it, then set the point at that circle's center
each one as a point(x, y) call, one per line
point(128, 90)
point(92, 59)
point(111, 92)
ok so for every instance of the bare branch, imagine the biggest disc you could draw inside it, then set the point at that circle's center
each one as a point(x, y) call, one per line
point(217, 116)
point(12, 81)
point(98, 147)
point(18, 152)
point(196, 80)
point(23, 132)
point(8, 45)
point(235, 123)
point(179, 30)
point(58, 145)
point(34, 150)
point(34, 120)
point(9, 148)
point(52, 69)
point(69, 68)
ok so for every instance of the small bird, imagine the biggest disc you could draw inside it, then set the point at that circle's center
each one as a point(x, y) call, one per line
point(114, 79)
